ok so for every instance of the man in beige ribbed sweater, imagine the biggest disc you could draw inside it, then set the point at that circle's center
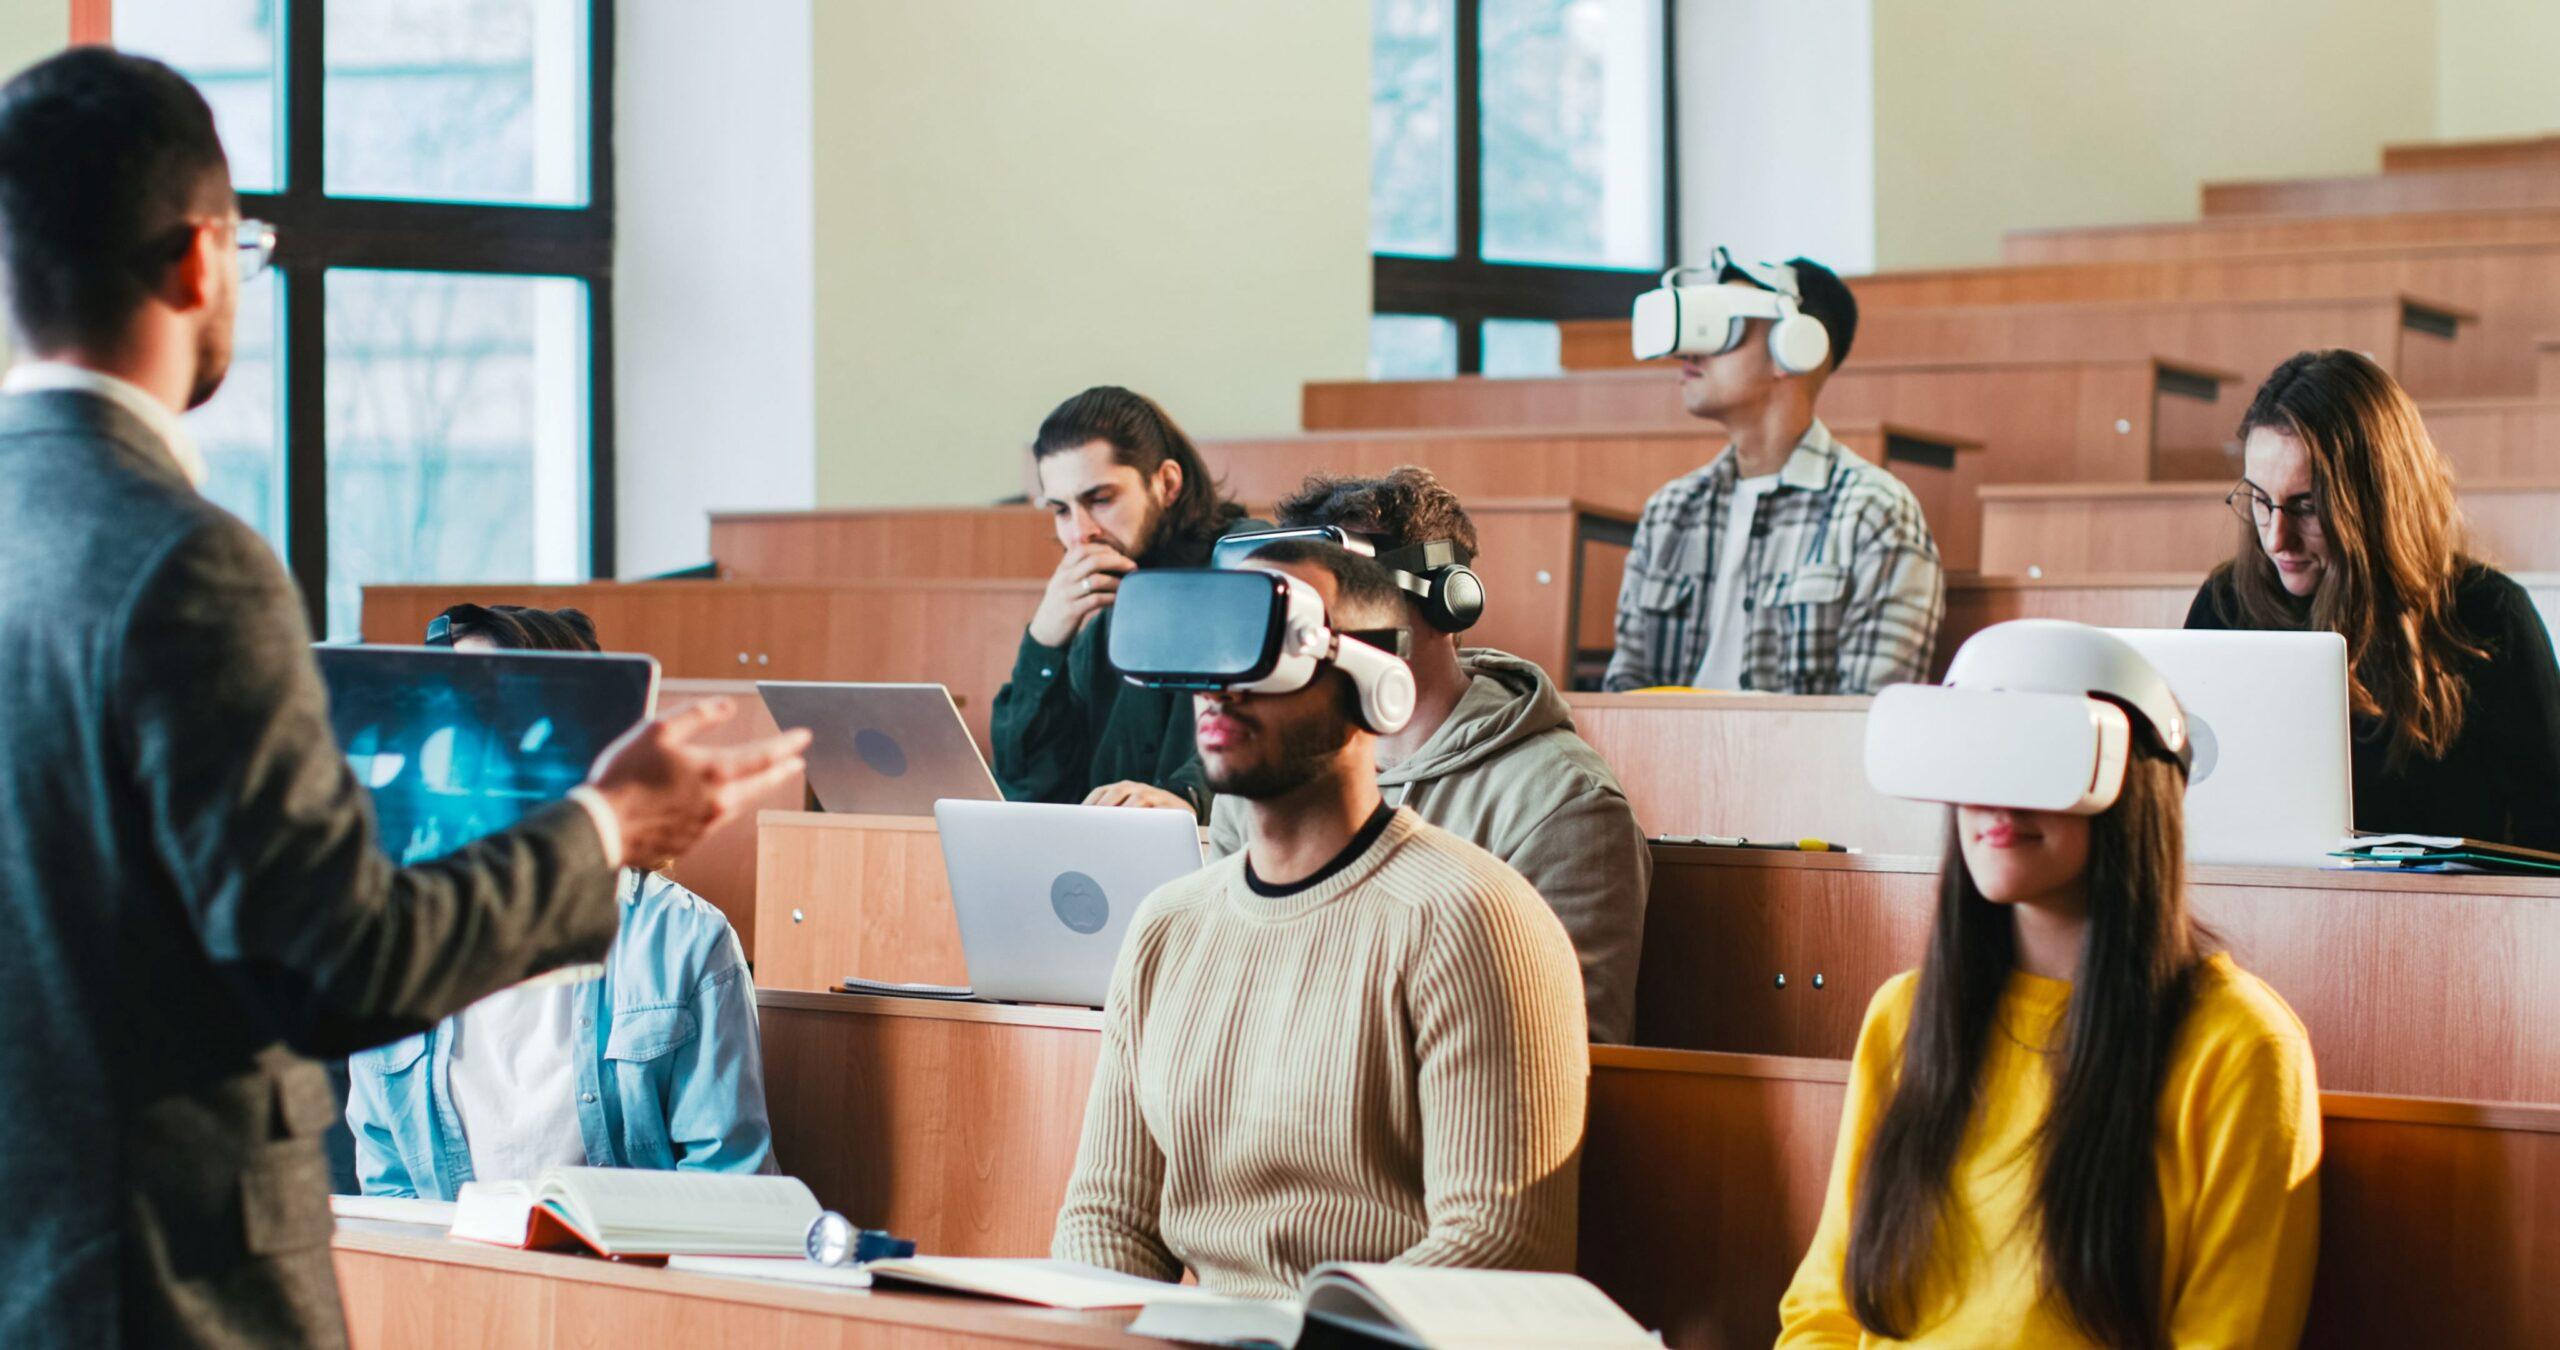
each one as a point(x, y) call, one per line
point(1360, 1039)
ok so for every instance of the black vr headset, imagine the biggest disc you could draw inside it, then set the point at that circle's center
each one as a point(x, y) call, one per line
point(1448, 592)
point(1247, 631)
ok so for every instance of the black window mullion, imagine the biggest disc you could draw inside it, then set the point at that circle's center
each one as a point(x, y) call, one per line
point(1466, 289)
point(306, 446)
point(317, 233)
point(306, 332)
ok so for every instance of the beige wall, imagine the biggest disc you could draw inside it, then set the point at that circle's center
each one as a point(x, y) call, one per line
point(1016, 200)
point(30, 30)
point(1993, 114)
point(2497, 68)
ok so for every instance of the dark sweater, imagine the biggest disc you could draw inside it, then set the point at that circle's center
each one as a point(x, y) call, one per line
point(1066, 723)
point(2500, 780)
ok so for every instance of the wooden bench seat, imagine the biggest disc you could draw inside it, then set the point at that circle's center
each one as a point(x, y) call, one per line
point(2479, 187)
point(2422, 342)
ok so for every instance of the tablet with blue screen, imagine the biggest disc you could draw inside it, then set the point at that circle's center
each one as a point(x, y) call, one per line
point(456, 745)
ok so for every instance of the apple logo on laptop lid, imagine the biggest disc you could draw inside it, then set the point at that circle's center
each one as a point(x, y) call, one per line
point(881, 751)
point(1079, 902)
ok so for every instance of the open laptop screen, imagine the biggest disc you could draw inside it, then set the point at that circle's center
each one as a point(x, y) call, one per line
point(457, 745)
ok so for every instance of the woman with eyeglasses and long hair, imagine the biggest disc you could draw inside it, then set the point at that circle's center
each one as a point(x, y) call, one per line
point(2078, 1122)
point(2350, 526)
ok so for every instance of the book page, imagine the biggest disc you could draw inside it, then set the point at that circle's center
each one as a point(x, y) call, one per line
point(493, 1211)
point(1510, 1309)
point(1212, 1320)
point(631, 1210)
point(394, 1209)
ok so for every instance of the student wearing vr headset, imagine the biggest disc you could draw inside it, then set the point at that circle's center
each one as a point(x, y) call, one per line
point(1360, 1039)
point(2078, 1123)
point(2350, 526)
point(1126, 490)
point(656, 1065)
point(1490, 755)
point(1788, 565)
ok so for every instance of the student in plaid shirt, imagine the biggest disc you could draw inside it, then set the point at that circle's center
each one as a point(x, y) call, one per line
point(1789, 565)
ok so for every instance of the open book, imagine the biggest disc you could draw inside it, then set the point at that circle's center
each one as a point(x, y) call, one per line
point(1051, 1284)
point(2442, 853)
point(626, 1213)
point(1414, 1306)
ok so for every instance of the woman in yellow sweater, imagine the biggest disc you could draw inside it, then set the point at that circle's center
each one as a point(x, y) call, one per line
point(2077, 1123)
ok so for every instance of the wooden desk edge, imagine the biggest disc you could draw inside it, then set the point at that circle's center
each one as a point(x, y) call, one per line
point(983, 1317)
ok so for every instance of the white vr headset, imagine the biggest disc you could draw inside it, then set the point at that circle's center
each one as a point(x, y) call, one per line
point(1712, 317)
point(2036, 715)
point(1249, 631)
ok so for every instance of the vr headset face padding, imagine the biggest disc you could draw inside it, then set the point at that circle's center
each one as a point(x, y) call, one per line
point(1247, 631)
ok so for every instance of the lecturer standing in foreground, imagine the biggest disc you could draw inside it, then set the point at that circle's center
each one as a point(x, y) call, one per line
point(192, 902)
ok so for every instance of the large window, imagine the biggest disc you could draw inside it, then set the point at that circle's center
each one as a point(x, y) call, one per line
point(1520, 163)
point(421, 387)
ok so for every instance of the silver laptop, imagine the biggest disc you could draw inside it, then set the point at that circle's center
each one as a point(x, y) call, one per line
point(882, 749)
point(2272, 782)
point(1044, 893)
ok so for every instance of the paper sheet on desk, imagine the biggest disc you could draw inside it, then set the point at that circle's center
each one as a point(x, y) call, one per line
point(784, 1269)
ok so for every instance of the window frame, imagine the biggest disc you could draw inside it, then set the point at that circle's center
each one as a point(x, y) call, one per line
point(1465, 288)
point(317, 232)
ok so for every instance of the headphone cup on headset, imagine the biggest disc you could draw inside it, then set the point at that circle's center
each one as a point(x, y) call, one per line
point(1799, 344)
point(1457, 598)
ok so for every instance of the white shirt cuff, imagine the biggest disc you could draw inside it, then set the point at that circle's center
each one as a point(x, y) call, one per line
point(608, 825)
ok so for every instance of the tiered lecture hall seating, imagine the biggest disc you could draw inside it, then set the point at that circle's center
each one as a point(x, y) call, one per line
point(2079, 405)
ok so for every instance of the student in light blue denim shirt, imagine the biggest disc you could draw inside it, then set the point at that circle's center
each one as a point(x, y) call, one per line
point(670, 1071)
point(656, 1064)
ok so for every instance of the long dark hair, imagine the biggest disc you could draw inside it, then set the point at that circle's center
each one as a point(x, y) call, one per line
point(2395, 537)
point(2097, 1189)
point(1143, 436)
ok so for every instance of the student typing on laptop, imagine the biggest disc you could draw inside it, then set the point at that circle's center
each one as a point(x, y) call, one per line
point(2349, 525)
point(656, 1065)
point(1361, 1039)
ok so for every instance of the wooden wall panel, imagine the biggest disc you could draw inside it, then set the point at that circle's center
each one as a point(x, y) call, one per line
point(1755, 766)
point(2249, 336)
point(2514, 288)
point(2242, 236)
point(954, 1125)
point(2427, 986)
point(2546, 369)
point(2523, 152)
point(874, 544)
point(2497, 440)
point(840, 896)
point(959, 633)
point(2184, 527)
point(2488, 188)
point(1702, 1174)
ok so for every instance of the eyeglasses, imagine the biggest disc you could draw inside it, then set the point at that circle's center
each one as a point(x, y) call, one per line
point(2258, 510)
point(257, 247)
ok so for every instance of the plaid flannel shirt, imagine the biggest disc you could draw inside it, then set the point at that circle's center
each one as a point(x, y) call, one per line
point(1841, 582)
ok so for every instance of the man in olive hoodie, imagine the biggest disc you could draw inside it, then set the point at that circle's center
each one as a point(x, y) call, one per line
point(1491, 755)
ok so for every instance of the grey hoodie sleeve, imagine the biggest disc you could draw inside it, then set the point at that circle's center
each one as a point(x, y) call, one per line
point(1590, 861)
point(1226, 827)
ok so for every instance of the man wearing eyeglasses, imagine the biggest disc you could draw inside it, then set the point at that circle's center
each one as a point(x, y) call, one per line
point(193, 905)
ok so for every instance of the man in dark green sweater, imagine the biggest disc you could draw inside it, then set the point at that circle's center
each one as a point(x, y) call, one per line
point(1127, 490)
